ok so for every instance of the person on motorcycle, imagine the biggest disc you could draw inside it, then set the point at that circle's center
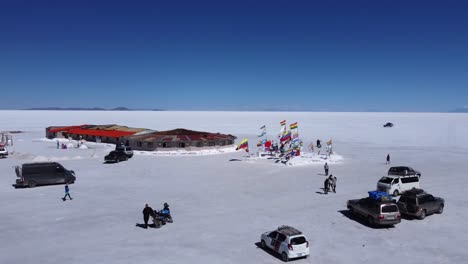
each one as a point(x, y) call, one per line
point(166, 210)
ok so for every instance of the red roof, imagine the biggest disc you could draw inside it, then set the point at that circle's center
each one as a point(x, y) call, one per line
point(101, 133)
point(66, 128)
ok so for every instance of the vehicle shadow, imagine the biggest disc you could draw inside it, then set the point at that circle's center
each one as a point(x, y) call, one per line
point(273, 253)
point(361, 220)
point(268, 250)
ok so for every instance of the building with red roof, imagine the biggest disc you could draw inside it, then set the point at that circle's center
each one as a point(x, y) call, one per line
point(140, 138)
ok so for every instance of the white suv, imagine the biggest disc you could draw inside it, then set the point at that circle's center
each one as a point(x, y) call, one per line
point(286, 241)
point(3, 151)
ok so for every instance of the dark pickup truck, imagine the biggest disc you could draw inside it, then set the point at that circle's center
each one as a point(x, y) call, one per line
point(418, 203)
point(377, 213)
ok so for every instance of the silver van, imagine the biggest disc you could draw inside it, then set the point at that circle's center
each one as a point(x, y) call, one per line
point(42, 173)
point(396, 185)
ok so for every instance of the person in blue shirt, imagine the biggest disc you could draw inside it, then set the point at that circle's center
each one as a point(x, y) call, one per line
point(166, 210)
point(67, 193)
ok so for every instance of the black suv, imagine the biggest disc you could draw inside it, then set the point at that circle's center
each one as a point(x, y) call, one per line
point(418, 203)
point(116, 156)
point(403, 171)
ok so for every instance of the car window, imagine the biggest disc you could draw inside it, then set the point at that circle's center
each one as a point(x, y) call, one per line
point(281, 237)
point(389, 208)
point(386, 180)
point(411, 200)
point(273, 234)
point(298, 240)
point(425, 199)
point(396, 181)
point(410, 179)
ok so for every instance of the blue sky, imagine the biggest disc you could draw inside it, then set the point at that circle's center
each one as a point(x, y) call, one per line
point(235, 55)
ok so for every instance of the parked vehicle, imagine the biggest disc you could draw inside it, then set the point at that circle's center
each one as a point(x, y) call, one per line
point(418, 203)
point(403, 171)
point(377, 212)
point(43, 173)
point(3, 152)
point(286, 241)
point(115, 156)
point(396, 185)
point(127, 150)
point(388, 124)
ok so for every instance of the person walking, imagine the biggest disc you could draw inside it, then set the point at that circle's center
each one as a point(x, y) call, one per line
point(325, 167)
point(67, 193)
point(326, 183)
point(388, 159)
point(147, 211)
point(333, 183)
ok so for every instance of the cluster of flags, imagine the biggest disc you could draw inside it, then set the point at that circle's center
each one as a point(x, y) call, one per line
point(285, 136)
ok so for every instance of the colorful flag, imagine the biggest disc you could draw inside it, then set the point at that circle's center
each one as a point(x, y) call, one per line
point(243, 145)
point(286, 136)
point(293, 125)
point(283, 123)
point(263, 127)
point(295, 135)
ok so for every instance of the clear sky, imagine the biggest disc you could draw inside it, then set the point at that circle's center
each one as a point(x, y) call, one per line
point(384, 55)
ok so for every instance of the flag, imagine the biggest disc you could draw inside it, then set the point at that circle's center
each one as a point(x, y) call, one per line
point(259, 143)
point(283, 123)
point(263, 127)
point(293, 126)
point(283, 129)
point(262, 134)
point(295, 135)
point(286, 136)
point(243, 145)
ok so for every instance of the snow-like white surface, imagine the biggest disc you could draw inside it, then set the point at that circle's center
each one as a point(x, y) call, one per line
point(222, 203)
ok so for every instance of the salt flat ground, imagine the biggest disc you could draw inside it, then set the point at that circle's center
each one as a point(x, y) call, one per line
point(220, 207)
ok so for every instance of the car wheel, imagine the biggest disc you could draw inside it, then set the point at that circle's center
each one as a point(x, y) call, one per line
point(422, 215)
point(130, 156)
point(264, 244)
point(284, 257)
point(396, 193)
point(32, 184)
point(441, 209)
point(370, 221)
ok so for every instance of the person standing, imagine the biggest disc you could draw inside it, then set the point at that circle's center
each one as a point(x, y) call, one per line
point(325, 167)
point(326, 183)
point(67, 193)
point(147, 211)
point(333, 183)
point(388, 159)
point(58, 144)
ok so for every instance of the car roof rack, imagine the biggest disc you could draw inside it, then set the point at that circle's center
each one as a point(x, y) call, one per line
point(288, 230)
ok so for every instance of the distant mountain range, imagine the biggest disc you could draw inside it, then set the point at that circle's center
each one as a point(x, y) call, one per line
point(460, 110)
point(89, 109)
